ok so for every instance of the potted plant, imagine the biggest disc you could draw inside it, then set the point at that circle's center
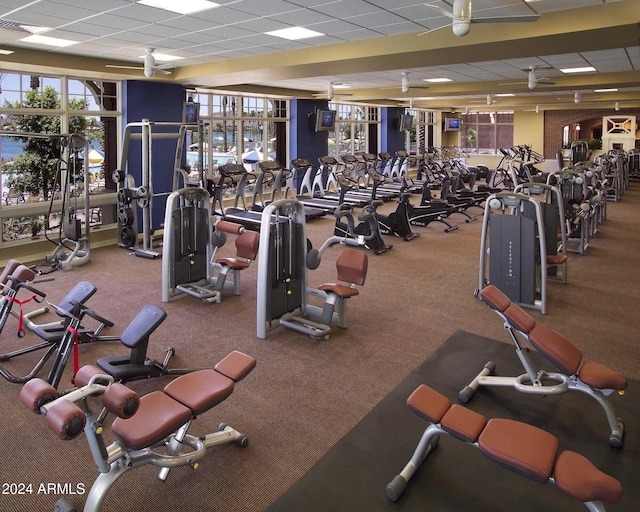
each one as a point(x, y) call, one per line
point(472, 138)
point(36, 226)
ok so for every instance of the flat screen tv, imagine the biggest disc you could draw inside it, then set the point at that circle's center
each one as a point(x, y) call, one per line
point(191, 113)
point(325, 120)
point(452, 124)
point(406, 122)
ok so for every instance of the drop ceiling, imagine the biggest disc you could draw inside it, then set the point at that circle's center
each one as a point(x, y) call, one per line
point(366, 45)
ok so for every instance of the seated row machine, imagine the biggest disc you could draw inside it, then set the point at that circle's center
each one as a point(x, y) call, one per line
point(588, 377)
point(188, 252)
point(147, 430)
point(522, 448)
point(285, 257)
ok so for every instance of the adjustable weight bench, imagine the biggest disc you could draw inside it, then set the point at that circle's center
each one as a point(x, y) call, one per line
point(588, 377)
point(147, 430)
point(136, 365)
point(523, 448)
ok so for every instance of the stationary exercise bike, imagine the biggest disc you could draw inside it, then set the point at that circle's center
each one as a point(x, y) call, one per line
point(395, 223)
point(368, 228)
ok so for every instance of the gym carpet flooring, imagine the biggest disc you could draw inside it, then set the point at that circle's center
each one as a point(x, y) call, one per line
point(305, 396)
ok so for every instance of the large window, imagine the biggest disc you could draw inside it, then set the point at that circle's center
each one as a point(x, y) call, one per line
point(486, 132)
point(39, 165)
point(239, 129)
point(422, 135)
point(356, 130)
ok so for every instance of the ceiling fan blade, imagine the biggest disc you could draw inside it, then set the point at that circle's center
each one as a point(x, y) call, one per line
point(441, 10)
point(122, 67)
point(527, 18)
point(433, 30)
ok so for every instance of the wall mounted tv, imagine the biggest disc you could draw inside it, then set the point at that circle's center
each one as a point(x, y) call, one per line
point(452, 124)
point(191, 112)
point(406, 122)
point(325, 120)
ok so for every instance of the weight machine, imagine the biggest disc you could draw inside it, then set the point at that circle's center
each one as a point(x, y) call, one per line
point(512, 246)
point(130, 195)
point(73, 247)
point(282, 269)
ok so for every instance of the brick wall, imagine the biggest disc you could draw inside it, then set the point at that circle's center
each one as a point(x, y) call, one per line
point(589, 119)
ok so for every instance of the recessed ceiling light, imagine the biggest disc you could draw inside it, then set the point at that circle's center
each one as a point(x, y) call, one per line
point(34, 29)
point(605, 90)
point(48, 41)
point(437, 80)
point(294, 33)
point(5, 52)
point(181, 7)
point(586, 69)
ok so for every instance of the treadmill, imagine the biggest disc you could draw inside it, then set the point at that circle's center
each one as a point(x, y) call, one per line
point(358, 173)
point(331, 165)
point(234, 174)
point(308, 172)
point(282, 184)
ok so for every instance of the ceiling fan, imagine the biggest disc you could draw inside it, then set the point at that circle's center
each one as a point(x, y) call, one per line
point(490, 100)
point(462, 18)
point(534, 79)
point(149, 66)
point(330, 93)
point(405, 84)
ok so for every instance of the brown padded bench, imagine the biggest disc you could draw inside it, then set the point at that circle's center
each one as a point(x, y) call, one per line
point(557, 349)
point(523, 448)
point(158, 419)
point(575, 374)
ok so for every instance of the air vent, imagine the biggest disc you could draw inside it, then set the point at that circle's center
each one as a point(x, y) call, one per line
point(10, 25)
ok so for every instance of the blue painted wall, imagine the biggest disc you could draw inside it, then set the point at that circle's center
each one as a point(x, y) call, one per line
point(392, 139)
point(305, 141)
point(158, 102)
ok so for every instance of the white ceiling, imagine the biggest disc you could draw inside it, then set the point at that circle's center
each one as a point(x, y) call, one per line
point(213, 44)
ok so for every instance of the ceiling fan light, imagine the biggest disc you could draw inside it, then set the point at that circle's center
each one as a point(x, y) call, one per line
point(330, 91)
point(616, 107)
point(577, 97)
point(405, 82)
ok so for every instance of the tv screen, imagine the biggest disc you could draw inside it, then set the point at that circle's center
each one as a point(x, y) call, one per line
point(452, 124)
point(406, 122)
point(191, 112)
point(325, 120)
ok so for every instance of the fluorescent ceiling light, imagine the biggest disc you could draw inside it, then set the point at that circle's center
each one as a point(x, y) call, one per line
point(48, 41)
point(605, 90)
point(437, 80)
point(505, 94)
point(5, 52)
point(586, 69)
point(34, 29)
point(294, 33)
point(182, 6)
point(340, 85)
